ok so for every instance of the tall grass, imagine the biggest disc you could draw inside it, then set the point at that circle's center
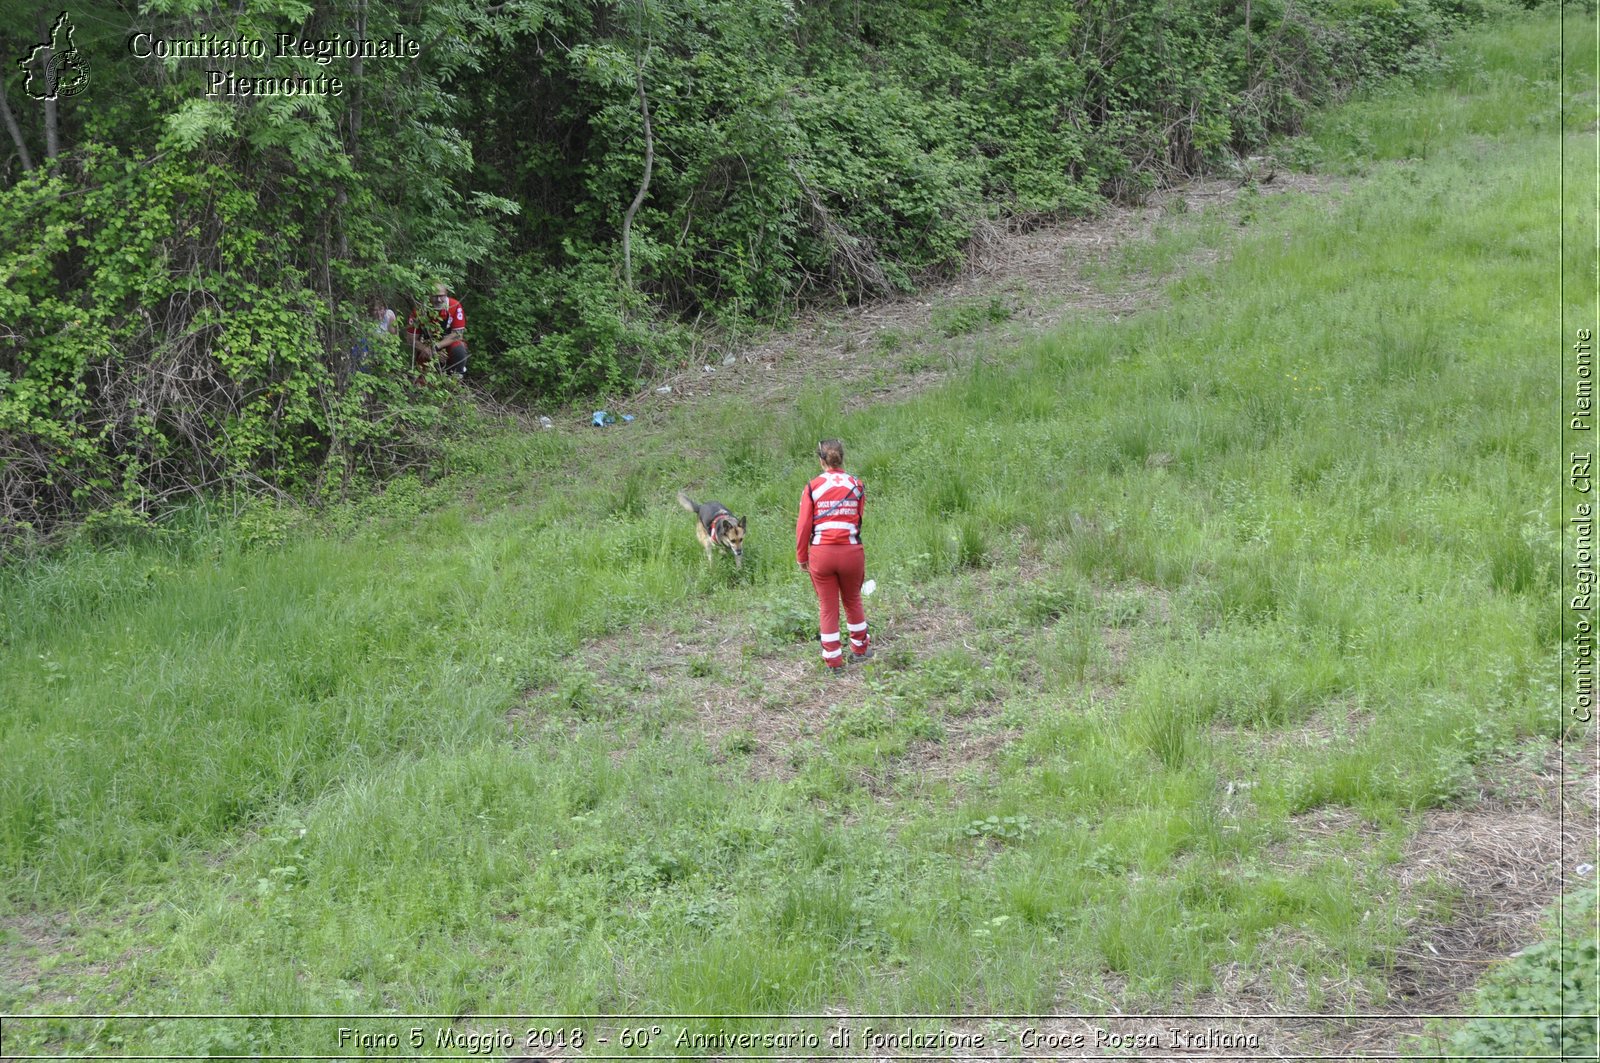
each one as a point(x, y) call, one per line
point(372, 771)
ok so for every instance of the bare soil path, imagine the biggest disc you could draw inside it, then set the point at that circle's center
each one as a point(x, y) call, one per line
point(1040, 275)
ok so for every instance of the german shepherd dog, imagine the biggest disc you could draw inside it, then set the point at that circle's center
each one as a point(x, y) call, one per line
point(716, 527)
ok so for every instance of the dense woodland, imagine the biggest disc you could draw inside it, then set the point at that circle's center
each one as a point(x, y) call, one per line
point(185, 274)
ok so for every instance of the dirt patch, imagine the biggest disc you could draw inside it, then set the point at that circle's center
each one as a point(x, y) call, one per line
point(764, 700)
point(1499, 869)
point(24, 939)
point(1040, 274)
point(1477, 880)
point(1480, 879)
point(40, 952)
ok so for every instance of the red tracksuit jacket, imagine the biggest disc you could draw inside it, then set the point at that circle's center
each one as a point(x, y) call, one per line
point(830, 513)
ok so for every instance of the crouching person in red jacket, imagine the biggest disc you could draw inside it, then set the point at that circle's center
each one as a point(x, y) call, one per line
point(827, 543)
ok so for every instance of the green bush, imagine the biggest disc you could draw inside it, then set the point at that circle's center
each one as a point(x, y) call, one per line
point(812, 153)
point(604, 343)
point(186, 274)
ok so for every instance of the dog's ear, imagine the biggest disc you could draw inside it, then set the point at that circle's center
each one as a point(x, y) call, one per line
point(741, 524)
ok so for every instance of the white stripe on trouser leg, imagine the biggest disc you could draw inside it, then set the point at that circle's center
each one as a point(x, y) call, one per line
point(853, 628)
point(830, 636)
point(829, 655)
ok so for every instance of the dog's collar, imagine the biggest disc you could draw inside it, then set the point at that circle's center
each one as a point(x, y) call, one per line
point(718, 519)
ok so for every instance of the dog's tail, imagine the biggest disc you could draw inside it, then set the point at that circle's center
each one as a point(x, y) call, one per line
point(687, 503)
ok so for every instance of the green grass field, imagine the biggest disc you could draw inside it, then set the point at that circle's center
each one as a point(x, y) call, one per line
point(1155, 594)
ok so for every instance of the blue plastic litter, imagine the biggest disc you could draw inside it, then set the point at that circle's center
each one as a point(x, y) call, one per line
point(627, 417)
point(602, 418)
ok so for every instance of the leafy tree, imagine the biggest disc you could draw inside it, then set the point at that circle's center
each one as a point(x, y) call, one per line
point(186, 270)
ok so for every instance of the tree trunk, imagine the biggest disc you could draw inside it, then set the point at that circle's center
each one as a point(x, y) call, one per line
point(644, 185)
point(357, 84)
point(14, 129)
point(1249, 64)
point(353, 140)
point(52, 139)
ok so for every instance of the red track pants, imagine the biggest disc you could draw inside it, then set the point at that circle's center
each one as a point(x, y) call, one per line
point(837, 572)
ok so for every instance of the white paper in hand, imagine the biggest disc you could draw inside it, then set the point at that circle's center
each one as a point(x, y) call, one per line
point(868, 587)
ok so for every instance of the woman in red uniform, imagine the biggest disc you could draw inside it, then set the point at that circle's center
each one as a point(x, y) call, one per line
point(440, 329)
point(827, 543)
